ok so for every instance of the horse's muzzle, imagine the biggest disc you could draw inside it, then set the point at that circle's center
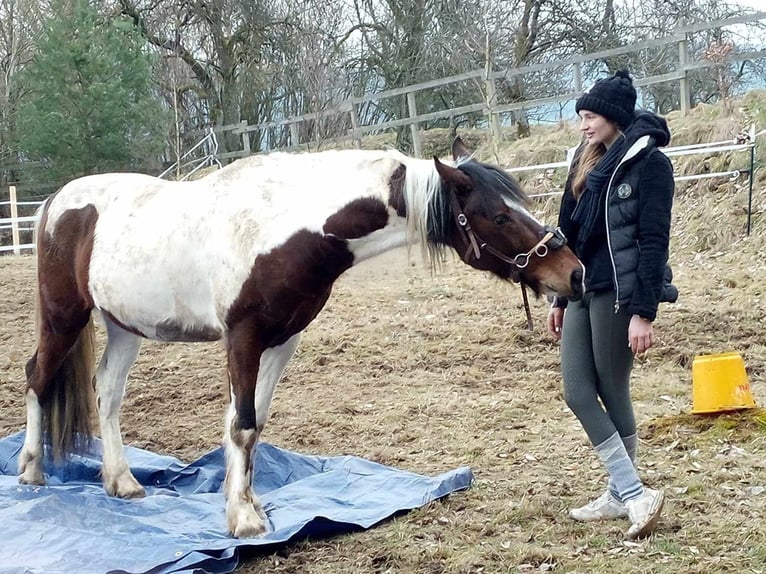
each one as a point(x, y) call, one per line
point(577, 284)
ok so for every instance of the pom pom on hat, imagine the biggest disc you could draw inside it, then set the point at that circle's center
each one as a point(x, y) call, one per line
point(613, 97)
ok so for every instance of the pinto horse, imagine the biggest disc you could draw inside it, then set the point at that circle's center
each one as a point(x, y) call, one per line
point(247, 254)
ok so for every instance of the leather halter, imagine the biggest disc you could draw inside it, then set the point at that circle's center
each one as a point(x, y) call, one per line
point(553, 239)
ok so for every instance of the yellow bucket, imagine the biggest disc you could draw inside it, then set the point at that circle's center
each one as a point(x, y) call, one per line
point(719, 383)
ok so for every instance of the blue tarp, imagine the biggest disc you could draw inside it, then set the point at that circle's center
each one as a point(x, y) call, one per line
point(71, 525)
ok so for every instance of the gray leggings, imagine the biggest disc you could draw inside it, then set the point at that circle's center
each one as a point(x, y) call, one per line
point(596, 363)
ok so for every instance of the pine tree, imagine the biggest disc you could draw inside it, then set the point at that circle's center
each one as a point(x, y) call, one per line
point(91, 105)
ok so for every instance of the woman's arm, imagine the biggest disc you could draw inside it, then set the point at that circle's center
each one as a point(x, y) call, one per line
point(656, 188)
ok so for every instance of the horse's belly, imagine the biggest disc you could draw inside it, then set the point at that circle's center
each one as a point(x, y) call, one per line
point(157, 296)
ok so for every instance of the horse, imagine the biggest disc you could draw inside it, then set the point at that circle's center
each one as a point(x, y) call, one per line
point(248, 255)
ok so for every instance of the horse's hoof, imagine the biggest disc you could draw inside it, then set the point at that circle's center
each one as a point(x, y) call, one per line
point(30, 476)
point(124, 486)
point(246, 520)
point(249, 530)
point(30, 470)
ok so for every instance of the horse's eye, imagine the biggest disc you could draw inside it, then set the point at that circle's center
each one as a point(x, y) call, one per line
point(502, 219)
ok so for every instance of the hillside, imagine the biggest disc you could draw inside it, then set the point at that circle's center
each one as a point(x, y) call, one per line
point(710, 214)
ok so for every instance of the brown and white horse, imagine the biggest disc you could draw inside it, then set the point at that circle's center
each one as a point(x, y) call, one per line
point(248, 255)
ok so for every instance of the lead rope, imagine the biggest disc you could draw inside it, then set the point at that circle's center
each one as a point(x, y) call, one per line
point(530, 325)
point(472, 246)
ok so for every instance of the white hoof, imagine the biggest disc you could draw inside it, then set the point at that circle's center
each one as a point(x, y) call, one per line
point(123, 485)
point(30, 469)
point(246, 519)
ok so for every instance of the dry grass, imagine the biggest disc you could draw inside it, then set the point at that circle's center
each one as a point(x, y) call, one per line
point(430, 373)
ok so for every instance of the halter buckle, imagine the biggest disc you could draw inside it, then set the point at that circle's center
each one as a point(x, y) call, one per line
point(558, 240)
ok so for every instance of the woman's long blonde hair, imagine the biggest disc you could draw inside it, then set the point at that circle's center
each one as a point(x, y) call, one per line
point(588, 159)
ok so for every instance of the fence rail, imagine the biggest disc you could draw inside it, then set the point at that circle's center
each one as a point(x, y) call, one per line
point(489, 104)
point(14, 221)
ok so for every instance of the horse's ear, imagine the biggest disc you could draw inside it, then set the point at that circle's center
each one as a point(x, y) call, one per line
point(459, 150)
point(452, 177)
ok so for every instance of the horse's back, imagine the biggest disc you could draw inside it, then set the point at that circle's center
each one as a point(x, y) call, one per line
point(96, 190)
point(169, 259)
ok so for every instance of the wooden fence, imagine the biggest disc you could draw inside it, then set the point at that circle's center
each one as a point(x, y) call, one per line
point(490, 106)
point(22, 227)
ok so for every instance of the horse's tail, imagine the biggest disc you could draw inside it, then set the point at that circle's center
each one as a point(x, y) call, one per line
point(68, 404)
point(68, 408)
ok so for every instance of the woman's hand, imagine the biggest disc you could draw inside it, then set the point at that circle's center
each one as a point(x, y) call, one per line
point(555, 321)
point(640, 334)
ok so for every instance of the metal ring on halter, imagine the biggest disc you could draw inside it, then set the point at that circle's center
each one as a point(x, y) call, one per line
point(521, 256)
point(462, 219)
point(541, 250)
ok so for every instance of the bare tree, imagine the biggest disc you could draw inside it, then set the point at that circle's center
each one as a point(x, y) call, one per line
point(220, 42)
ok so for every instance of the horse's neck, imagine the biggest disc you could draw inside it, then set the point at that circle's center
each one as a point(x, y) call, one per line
point(390, 237)
point(407, 201)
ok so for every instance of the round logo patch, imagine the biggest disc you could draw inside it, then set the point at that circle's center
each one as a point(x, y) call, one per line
point(624, 190)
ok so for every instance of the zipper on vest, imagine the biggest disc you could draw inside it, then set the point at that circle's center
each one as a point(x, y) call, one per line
point(609, 239)
point(630, 154)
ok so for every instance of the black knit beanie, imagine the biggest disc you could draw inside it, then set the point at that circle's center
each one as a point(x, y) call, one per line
point(613, 97)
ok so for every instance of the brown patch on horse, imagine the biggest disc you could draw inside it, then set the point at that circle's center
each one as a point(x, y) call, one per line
point(289, 285)
point(61, 370)
point(286, 290)
point(396, 191)
point(171, 330)
point(64, 257)
point(357, 219)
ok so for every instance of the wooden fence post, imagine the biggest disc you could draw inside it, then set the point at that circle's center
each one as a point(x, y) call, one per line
point(578, 77)
point(494, 120)
point(414, 126)
point(355, 135)
point(245, 137)
point(15, 221)
point(683, 59)
point(295, 138)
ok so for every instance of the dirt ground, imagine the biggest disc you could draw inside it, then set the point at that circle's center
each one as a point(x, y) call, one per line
point(428, 373)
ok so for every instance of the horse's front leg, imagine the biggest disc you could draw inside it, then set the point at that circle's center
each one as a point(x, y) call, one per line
point(253, 376)
point(121, 352)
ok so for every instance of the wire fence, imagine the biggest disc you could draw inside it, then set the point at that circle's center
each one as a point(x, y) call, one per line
point(25, 224)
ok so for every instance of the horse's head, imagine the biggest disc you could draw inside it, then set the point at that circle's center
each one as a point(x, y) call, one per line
point(485, 218)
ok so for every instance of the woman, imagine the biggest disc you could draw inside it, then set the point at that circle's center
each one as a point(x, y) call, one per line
point(616, 214)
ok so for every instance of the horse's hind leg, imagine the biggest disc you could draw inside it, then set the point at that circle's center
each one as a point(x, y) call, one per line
point(59, 373)
point(121, 351)
point(253, 378)
point(41, 369)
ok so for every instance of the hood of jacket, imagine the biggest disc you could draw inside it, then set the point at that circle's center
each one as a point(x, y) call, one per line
point(647, 124)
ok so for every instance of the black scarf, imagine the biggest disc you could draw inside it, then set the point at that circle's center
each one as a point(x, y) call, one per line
point(590, 205)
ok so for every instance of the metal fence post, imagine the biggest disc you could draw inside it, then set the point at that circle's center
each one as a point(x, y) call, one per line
point(750, 175)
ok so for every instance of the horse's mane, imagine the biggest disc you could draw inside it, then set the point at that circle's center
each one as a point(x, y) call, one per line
point(429, 211)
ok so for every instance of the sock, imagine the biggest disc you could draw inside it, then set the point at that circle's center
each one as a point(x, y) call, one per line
point(631, 447)
point(622, 473)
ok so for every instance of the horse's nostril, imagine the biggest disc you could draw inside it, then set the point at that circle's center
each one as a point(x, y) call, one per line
point(577, 280)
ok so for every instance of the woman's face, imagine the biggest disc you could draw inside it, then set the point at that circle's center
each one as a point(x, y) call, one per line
point(597, 129)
